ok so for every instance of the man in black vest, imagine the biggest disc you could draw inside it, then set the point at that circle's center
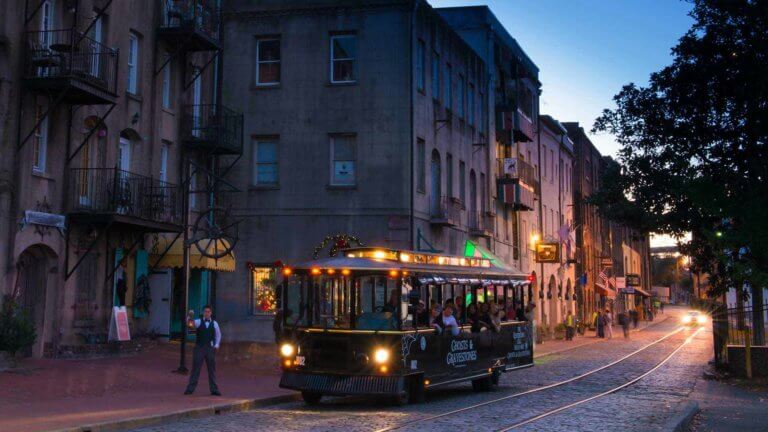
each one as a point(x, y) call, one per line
point(208, 339)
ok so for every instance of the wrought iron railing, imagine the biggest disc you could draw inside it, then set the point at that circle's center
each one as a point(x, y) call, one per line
point(742, 323)
point(481, 222)
point(197, 15)
point(114, 191)
point(445, 209)
point(214, 126)
point(70, 54)
point(522, 171)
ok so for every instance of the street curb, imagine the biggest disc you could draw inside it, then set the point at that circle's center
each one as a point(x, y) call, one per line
point(682, 418)
point(594, 341)
point(211, 410)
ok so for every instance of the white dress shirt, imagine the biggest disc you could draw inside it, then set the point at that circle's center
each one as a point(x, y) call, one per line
point(215, 328)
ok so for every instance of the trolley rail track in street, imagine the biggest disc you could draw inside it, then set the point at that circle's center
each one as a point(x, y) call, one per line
point(554, 385)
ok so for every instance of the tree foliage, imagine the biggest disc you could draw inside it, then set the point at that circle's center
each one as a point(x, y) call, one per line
point(693, 144)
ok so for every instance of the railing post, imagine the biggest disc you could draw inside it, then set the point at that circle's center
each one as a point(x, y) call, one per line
point(748, 352)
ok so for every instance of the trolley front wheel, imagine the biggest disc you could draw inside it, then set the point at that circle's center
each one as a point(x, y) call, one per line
point(311, 398)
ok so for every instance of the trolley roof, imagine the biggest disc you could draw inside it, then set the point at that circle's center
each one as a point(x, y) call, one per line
point(428, 267)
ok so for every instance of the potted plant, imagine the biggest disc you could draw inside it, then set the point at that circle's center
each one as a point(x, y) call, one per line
point(17, 333)
point(560, 331)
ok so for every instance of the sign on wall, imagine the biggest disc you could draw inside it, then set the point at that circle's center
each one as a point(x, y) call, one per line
point(547, 252)
point(632, 280)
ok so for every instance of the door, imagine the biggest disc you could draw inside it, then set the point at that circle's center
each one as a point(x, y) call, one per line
point(160, 308)
point(123, 194)
point(196, 100)
point(95, 46)
point(33, 282)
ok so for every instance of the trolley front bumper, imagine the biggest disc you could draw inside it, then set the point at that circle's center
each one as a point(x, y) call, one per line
point(342, 385)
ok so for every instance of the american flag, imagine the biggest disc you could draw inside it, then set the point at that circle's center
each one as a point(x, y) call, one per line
point(603, 276)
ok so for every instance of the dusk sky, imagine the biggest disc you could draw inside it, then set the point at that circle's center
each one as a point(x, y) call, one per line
point(586, 50)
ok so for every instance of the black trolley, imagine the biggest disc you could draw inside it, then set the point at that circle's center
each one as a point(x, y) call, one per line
point(352, 324)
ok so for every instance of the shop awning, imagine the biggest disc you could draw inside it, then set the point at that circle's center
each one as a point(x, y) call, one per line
point(605, 290)
point(472, 249)
point(175, 256)
point(642, 292)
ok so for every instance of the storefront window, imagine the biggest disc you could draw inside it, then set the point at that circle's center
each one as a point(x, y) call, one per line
point(263, 293)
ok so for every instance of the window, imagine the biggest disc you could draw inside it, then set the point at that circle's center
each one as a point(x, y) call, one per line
point(167, 81)
point(343, 160)
point(164, 161)
point(263, 290)
point(435, 75)
point(462, 182)
point(544, 164)
point(343, 58)
point(268, 62)
point(448, 87)
point(483, 193)
point(420, 69)
point(133, 58)
point(471, 105)
point(449, 174)
point(551, 166)
point(462, 93)
point(265, 171)
point(421, 174)
point(483, 110)
point(40, 140)
point(526, 102)
point(46, 22)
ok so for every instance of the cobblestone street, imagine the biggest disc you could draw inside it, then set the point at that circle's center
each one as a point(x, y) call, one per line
point(643, 406)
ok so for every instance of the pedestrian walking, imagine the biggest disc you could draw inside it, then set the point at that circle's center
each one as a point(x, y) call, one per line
point(661, 308)
point(208, 338)
point(608, 324)
point(600, 325)
point(593, 322)
point(624, 323)
point(570, 326)
point(633, 316)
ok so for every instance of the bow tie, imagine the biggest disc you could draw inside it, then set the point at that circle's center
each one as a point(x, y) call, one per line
point(207, 320)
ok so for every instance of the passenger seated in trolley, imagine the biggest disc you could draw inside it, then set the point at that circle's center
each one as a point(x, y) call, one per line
point(449, 321)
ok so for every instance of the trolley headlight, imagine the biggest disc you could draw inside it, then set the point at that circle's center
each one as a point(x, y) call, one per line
point(686, 319)
point(701, 319)
point(287, 350)
point(381, 355)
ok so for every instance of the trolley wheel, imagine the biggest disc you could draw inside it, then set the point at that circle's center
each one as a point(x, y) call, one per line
point(482, 384)
point(418, 391)
point(495, 376)
point(402, 398)
point(311, 398)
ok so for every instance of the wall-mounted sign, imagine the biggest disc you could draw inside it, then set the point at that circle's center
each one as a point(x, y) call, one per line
point(632, 280)
point(510, 167)
point(621, 282)
point(547, 252)
point(32, 217)
point(606, 262)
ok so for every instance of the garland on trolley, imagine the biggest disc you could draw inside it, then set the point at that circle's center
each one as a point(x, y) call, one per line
point(340, 241)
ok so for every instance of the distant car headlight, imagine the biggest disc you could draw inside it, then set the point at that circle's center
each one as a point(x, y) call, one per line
point(686, 319)
point(287, 350)
point(701, 319)
point(381, 355)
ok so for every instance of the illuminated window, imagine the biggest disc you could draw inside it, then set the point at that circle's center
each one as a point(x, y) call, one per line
point(343, 160)
point(263, 290)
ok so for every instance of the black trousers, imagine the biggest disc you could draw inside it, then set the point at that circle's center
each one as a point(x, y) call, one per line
point(199, 354)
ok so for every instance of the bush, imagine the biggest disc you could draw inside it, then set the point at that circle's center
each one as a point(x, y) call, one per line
point(560, 328)
point(17, 331)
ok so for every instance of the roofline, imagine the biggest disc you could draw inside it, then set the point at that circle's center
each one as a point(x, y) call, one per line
point(498, 28)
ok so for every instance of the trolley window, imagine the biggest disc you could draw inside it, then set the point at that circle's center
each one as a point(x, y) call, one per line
point(295, 293)
point(332, 307)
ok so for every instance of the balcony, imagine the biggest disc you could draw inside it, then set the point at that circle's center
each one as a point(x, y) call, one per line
point(213, 129)
point(517, 196)
point(446, 212)
point(517, 171)
point(191, 24)
point(69, 64)
point(481, 224)
point(512, 119)
point(111, 195)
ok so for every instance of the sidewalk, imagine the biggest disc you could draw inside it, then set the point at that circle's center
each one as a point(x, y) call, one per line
point(46, 394)
point(730, 405)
